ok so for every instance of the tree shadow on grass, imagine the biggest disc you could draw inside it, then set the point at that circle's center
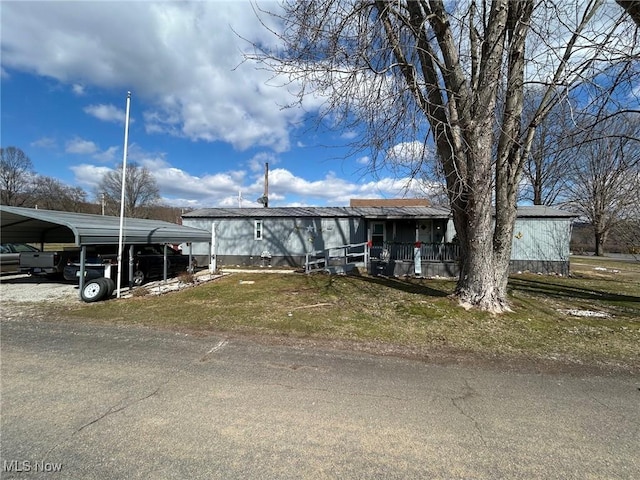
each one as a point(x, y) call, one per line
point(404, 285)
point(559, 290)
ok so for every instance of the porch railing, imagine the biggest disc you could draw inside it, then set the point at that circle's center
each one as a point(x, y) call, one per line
point(429, 252)
point(362, 252)
point(342, 255)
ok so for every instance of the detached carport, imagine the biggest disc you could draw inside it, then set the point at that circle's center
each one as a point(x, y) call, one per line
point(28, 225)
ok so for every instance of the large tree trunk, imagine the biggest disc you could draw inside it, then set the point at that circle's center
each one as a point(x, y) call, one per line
point(484, 261)
point(486, 241)
point(477, 285)
point(601, 238)
point(484, 232)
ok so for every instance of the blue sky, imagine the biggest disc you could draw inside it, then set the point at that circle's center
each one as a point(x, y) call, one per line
point(201, 120)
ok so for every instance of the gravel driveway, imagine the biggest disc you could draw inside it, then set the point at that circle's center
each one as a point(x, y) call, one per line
point(25, 288)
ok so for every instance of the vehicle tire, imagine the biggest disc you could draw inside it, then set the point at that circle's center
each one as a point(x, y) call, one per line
point(94, 290)
point(111, 286)
point(138, 278)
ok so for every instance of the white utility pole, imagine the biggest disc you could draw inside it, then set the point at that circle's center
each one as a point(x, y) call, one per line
point(124, 176)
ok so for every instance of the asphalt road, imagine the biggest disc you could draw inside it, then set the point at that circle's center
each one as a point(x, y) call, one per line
point(106, 402)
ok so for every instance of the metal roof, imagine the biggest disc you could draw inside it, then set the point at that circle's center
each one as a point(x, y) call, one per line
point(361, 212)
point(322, 212)
point(29, 225)
point(542, 211)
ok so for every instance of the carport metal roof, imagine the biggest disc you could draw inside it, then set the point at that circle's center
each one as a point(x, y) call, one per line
point(29, 225)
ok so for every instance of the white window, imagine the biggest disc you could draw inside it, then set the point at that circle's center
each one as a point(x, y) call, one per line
point(377, 234)
point(258, 230)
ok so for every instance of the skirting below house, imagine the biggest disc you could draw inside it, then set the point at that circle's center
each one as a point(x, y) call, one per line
point(395, 268)
point(258, 261)
point(539, 266)
point(399, 268)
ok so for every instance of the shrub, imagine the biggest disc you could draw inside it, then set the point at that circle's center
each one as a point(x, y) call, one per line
point(187, 277)
point(139, 292)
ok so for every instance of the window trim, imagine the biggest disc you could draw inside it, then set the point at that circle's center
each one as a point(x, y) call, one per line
point(258, 232)
point(383, 234)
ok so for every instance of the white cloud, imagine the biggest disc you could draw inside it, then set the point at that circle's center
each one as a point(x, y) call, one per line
point(398, 188)
point(408, 153)
point(89, 176)
point(107, 113)
point(178, 185)
point(257, 162)
point(285, 183)
point(286, 188)
point(182, 60)
point(232, 188)
point(349, 134)
point(45, 142)
point(80, 146)
point(107, 156)
point(78, 89)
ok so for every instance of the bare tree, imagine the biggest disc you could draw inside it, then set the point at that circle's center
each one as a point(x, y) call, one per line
point(51, 194)
point(16, 172)
point(452, 74)
point(545, 171)
point(141, 191)
point(628, 233)
point(605, 176)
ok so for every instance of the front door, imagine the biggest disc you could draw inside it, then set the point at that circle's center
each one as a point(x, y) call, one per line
point(424, 231)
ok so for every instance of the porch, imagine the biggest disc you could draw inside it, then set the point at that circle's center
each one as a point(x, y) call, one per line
point(420, 259)
point(389, 259)
point(429, 252)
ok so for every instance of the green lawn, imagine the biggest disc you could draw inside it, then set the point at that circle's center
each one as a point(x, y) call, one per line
point(410, 315)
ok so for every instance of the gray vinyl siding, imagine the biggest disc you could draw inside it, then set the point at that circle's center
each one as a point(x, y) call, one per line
point(286, 240)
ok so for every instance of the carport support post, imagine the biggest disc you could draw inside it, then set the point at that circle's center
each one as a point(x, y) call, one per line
point(367, 256)
point(131, 252)
point(213, 264)
point(83, 257)
point(164, 263)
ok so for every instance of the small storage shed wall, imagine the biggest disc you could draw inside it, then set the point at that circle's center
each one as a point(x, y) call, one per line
point(275, 241)
point(541, 245)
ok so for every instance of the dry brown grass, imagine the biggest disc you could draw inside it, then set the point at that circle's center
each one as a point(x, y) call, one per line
point(412, 315)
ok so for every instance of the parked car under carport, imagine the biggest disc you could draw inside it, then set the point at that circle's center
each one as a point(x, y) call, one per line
point(10, 256)
point(148, 263)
